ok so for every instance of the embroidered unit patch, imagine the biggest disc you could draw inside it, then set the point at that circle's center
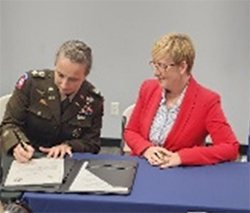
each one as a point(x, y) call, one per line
point(21, 81)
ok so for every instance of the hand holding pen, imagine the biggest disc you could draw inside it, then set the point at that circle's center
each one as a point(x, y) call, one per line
point(23, 152)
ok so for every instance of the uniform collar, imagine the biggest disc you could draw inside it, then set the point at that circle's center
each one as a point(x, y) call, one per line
point(63, 97)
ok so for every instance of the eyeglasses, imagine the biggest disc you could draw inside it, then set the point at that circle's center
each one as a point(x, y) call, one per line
point(160, 66)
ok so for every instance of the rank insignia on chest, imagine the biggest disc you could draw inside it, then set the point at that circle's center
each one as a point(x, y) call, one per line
point(81, 117)
point(77, 104)
point(41, 92)
point(36, 73)
point(86, 110)
point(50, 89)
point(89, 99)
point(43, 101)
point(77, 133)
point(51, 98)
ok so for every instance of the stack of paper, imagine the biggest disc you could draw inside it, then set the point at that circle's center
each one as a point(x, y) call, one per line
point(36, 172)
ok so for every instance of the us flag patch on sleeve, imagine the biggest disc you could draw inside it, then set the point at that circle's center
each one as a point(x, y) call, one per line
point(21, 81)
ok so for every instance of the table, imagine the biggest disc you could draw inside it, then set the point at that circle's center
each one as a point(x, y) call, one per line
point(223, 187)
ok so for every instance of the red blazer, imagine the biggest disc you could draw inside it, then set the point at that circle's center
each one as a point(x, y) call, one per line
point(200, 114)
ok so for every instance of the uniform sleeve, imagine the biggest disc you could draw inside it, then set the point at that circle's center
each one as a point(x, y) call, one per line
point(225, 145)
point(90, 140)
point(15, 114)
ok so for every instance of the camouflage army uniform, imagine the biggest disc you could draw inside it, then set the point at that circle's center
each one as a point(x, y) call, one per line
point(34, 111)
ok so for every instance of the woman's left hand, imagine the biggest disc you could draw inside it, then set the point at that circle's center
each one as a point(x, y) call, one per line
point(171, 160)
point(58, 151)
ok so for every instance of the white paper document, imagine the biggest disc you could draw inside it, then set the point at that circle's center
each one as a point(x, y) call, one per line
point(36, 172)
point(86, 181)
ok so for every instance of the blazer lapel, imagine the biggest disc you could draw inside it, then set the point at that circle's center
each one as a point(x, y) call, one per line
point(150, 110)
point(186, 109)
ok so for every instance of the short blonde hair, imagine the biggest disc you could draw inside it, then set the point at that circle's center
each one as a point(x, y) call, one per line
point(178, 46)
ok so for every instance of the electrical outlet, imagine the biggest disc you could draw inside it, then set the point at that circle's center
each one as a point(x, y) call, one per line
point(115, 108)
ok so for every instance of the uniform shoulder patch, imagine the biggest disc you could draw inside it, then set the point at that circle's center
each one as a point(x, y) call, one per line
point(38, 74)
point(21, 81)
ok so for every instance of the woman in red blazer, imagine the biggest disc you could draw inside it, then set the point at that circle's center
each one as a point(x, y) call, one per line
point(174, 114)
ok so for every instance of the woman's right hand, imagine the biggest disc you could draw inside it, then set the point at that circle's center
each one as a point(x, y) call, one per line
point(23, 154)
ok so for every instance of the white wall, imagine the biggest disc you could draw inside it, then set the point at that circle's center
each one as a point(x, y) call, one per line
point(121, 35)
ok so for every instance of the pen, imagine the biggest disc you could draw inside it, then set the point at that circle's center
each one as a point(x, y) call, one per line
point(21, 142)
